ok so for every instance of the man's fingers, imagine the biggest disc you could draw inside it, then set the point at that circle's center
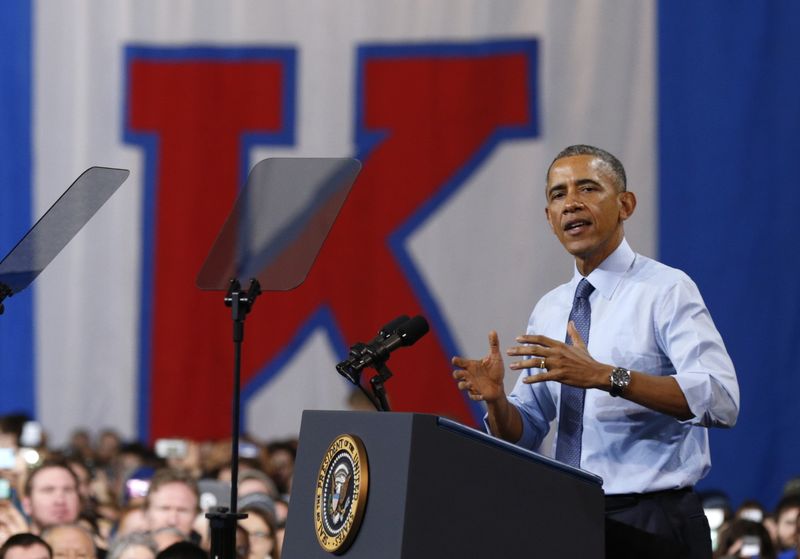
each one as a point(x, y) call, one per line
point(541, 377)
point(536, 339)
point(494, 351)
point(461, 376)
point(460, 362)
point(463, 384)
point(531, 350)
point(533, 363)
point(494, 343)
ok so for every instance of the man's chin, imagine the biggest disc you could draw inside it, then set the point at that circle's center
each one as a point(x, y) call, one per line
point(590, 248)
point(579, 248)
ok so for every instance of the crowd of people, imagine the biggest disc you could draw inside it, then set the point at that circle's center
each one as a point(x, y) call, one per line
point(752, 530)
point(101, 497)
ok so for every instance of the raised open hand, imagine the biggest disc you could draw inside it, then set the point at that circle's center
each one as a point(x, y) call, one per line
point(482, 378)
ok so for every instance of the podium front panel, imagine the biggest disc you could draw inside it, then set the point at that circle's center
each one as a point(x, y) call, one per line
point(437, 491)
point(387, 440)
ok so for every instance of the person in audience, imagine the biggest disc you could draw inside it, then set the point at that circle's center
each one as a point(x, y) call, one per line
point(167, 536)
point(51, 496)
point(794, 552)
point(136, 545)
point(745, 538)
point(70, 541)
point(11, 521)
point(260, 525)
point(256, 481)
point(11, 429)
point(280, 468)
point(131, 519)
point(786, 517)
point(25, 546)
point(172, 502)
point(108, 447)
point(80, 446)
point(242, 543)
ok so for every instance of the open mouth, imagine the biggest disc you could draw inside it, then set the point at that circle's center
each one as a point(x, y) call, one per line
point(576, 226)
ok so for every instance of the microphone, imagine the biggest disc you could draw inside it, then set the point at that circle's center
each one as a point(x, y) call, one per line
point(359, 348)
point(400, 332)
point(389, 328)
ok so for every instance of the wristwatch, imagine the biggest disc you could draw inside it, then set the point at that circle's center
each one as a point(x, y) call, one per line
point(620, 379)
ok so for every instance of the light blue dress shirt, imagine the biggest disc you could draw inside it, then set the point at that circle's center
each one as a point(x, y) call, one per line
point(650, 318)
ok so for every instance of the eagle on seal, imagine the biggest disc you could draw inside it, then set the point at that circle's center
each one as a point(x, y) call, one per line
point(339, 488)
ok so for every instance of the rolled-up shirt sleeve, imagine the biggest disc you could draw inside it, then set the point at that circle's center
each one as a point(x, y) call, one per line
point(703, 368)
point(536, 409)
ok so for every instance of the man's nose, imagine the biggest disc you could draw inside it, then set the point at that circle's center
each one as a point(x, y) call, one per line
point(571, 200)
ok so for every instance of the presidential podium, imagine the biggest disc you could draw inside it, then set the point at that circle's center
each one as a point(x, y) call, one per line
point(421, 486)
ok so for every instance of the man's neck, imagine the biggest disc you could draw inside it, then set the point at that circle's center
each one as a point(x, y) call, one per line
point(587, 264)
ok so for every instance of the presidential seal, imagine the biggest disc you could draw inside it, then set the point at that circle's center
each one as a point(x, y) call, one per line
point(341, 494)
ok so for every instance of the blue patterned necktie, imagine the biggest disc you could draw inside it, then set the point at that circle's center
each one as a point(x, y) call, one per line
point(570, 422)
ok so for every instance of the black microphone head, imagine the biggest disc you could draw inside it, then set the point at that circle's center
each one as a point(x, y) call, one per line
point(413, 330)
point(389, 328)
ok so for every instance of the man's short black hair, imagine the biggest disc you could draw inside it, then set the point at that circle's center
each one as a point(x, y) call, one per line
point(603, 155)
point(24, 539)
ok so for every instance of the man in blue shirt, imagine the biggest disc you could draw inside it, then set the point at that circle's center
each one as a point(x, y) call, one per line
point(633, 405)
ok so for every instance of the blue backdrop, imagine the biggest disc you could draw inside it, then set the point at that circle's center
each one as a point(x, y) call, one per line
point(16, 346)
point(728, 124)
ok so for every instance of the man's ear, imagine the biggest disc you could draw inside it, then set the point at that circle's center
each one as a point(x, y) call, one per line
point(549, 221)
point(627, 204)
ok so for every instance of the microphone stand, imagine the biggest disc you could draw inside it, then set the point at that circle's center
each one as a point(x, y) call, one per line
point(223, 520)
point(382, 403)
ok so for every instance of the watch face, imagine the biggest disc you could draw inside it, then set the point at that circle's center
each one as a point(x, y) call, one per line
point(622, 377)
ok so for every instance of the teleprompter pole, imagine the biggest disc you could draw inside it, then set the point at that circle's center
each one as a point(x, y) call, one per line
point(223, 520)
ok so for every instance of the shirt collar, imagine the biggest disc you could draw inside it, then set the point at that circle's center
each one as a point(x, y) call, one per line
point(606, 277)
